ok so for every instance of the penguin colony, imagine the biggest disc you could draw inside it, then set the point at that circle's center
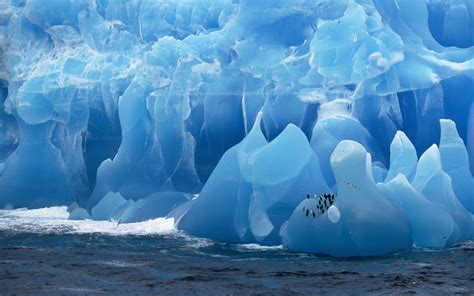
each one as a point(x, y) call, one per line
point(323, 202)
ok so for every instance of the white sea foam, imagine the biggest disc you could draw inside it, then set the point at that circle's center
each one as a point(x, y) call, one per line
point(55, 220)
point(261, 248)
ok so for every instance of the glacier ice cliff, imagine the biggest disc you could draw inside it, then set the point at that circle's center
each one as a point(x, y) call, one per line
point(337, 127)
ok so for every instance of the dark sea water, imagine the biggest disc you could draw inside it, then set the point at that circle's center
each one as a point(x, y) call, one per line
point(43, 253)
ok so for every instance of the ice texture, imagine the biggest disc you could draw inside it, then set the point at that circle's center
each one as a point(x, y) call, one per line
point(436, 185)
point(432, 226)
point(234, 117)
point(255, 187)
point(368, 223)
point(455, 162)
point(403, 158)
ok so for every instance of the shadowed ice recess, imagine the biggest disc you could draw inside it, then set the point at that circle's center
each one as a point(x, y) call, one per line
point(343, 128)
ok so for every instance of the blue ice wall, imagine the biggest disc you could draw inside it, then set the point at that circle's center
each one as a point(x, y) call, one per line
point(226, 114)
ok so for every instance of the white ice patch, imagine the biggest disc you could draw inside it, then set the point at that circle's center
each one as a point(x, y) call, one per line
point(333, 214)
point(55, 220)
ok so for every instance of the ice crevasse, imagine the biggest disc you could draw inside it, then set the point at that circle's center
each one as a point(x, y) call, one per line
point(335, 127)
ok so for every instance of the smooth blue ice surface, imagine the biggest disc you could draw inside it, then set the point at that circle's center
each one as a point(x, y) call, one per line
point(432, 225)
point(226, 114)
point(403, 158)
point(367, 223)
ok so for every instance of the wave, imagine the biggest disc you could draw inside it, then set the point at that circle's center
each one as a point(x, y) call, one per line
point(54, 220)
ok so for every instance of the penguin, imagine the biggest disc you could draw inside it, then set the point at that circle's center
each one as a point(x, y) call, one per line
point(307, 195)
point(307, 213)
point(314, 214)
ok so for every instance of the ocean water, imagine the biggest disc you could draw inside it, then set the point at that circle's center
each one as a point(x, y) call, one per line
point(41, 252)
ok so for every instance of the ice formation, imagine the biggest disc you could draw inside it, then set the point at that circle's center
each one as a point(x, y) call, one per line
point(226, 114)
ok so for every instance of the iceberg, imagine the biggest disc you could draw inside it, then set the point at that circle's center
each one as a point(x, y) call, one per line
point(343, 128)
point(455, 162)
point(255, 187)
point(403, 158)
point(361, 222)
point(221, 211)
point(436, 186)
point(432, 226)
point(330, 131)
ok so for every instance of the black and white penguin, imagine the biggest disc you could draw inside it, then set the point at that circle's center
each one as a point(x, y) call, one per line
point(307, 213)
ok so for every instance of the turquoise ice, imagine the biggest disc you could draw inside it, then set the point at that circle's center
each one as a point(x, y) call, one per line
point(226, 114)
point(368, 223)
